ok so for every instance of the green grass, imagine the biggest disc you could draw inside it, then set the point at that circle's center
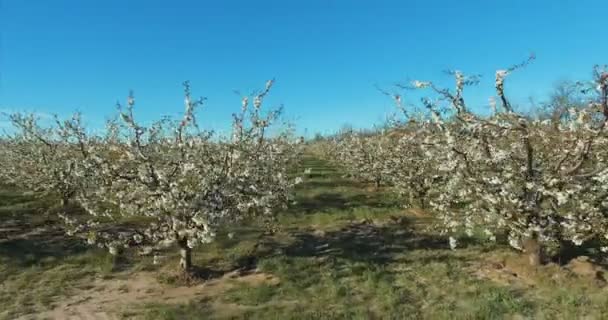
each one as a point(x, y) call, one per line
point(331, 262)
point(36, 269)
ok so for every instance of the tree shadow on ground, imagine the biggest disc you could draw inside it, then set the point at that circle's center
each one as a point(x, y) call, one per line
point(7, 199)
point(38, 246)
point(321, 174)
point(365, 242)
point(568, 251)
point(34, 236)
point(330, 184)
point(340, 201)
point(30, 233)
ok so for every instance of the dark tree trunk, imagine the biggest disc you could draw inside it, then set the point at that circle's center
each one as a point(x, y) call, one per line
point(422, 199)
point(422, 203)
point(418, 197)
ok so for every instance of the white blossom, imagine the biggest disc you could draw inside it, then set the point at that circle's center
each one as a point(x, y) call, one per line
point(453, 243)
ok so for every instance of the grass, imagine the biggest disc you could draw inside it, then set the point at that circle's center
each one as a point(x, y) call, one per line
point(43, 264)
point(338, 254)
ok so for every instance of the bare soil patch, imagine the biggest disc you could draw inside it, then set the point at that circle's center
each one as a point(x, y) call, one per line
point(515, 270)
point(106, 299)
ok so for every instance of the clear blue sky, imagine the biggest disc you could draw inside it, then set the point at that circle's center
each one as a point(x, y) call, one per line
point(58, 56)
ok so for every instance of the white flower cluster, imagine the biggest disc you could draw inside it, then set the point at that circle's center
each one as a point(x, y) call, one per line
point(364, 156)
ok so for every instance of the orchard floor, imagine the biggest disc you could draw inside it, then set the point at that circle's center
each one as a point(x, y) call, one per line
point(344, 251)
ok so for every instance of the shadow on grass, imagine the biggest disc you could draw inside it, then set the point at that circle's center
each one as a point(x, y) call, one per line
point(365, 242)
point(29, 234)
point(568, 251)
point(35, 237)
point(39, 247)
point(8, 199)
point(329, 184)
point(340, 201)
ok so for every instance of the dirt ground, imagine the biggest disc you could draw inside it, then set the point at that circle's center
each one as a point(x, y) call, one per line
point(106, 299)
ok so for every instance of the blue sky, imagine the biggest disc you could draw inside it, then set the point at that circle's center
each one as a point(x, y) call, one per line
point(326, 55)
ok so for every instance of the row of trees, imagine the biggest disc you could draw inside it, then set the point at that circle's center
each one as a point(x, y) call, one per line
point(537, 183)
point(168, 182)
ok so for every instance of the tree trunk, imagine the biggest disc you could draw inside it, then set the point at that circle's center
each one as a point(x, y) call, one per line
point(422, 204)
point(185, 255)
point(533, 251)
point(417, 198)
point(421, 199)
point(377, 184)
point(65, 201)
